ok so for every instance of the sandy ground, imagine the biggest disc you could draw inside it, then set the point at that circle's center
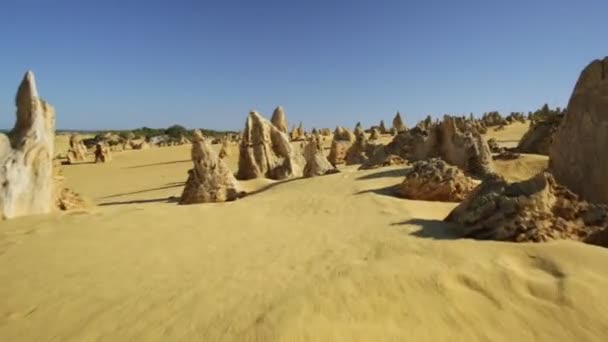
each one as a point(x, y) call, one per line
point(332, 258)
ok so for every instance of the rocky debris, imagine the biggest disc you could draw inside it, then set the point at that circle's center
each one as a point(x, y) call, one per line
point(77, 151)
point(26, 165)
point(494, 147)
point(577, 155)
point(102, 153)
point(493, 119)
point(539, 136)
point(398, 124)
point(279, 120)
point(316, 162)
point(465, 149)
point(342, 141)
point(435, 180)
point(265, 151)
point(375, 134)
point(534, 210)
point(382, 127)
point(210, 180)
point(505, 154)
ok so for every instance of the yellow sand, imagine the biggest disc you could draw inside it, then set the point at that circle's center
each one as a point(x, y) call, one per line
point(332, 258)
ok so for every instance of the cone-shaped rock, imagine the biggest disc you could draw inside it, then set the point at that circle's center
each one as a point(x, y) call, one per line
point(398, 124)
point(266, 152)
point(210, 180)
point(577, 155)
point(382, 127)
point(26, 168)
point(342, 141)
point(279, 120)
point(316, 162)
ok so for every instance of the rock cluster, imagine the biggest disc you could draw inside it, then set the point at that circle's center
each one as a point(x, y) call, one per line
point(210, 180)
point(374, 134)
point(537, 209)
point(493, 119)
point(435, 180)
point(466, 149)
point(316, 162)
point(539, 137)
point(342, 141)
point(577, 155)
point(279, 120)
point(265, 151)
point(297, 133)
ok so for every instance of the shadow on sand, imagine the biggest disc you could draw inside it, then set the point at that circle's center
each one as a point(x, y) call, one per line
point(386, 173)
point(156, 164)
point(167, 186)
point(170, 199)
point(390, 191)
point(432, 229)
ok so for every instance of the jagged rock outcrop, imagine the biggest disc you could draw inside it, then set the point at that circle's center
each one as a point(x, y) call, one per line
point(381, 159)
point(577, 155)
point(316, 162)
point(435, 180)
point(467, 149)
point(493, 119)
point(265, 151)
point(539, 137)
point(534, 210)
point(210, 180)
point(342, 141)
point(31, 184)
point(77, 151)
point(398, 124)
point(279, 120)
point(102, 153)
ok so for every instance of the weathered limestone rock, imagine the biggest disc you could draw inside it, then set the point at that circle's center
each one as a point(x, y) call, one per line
point(297, 133)
point(577, 155)
point(316, 162)
point(466, 149)
point(139, 144)
point(361, 150)
point(266, 152)
point(102, 153)
point(493, 119)
point(375, 134)
point(494, 147)
point(27, 174)
point(534, 210)
point(279, 120)
point(539, 137)
point(398, 124)
point(77, 151)
point(64, 198)
point(435, 180)
point(342, 141)
point(210, 180)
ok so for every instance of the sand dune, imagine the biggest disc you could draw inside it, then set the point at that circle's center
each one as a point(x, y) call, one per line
point(333, 258)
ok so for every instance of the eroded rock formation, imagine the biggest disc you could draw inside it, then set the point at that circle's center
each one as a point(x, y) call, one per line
point(316, 162)
point(265, 151)
point(210, 180)
point(279, 120)
point(577, 155)
point(102, 153)
point(398, 124)
point(77, 151)
point(539, 137)
point(534, 210)
point(342, 141)
point(435, 180)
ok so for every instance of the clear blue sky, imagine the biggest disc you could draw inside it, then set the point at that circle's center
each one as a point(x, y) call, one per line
point(125, 64)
